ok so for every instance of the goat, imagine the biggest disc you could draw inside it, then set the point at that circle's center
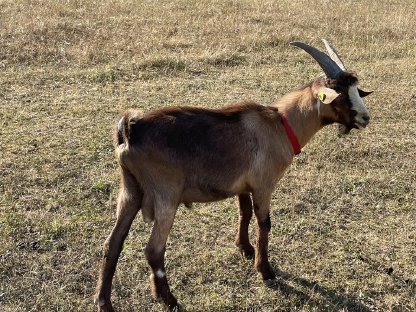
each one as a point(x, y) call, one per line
point(185, 154)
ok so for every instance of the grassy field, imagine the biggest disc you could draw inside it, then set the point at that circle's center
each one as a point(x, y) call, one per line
point(343, 218)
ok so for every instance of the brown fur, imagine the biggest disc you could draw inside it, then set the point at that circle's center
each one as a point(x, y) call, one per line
point(186, 154)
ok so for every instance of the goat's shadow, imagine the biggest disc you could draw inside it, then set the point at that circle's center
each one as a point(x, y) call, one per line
point(332, 299)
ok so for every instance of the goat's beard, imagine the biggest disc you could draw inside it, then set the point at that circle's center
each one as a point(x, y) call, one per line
point(344, 130)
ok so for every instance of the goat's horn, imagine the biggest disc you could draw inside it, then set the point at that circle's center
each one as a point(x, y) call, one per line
point(333, 54)
point(330, 68)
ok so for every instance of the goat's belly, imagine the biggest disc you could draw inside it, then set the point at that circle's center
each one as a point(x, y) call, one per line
point(196, 195)
point(206, 192)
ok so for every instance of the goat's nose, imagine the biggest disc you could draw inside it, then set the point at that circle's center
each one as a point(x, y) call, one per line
point(366, 118)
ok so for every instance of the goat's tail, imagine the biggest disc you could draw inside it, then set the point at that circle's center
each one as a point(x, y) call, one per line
point(124, 127)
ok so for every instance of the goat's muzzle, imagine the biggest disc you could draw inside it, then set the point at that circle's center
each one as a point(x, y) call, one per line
point(362, 122)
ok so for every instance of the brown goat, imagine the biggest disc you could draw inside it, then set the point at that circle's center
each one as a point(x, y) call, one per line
point(186, 154)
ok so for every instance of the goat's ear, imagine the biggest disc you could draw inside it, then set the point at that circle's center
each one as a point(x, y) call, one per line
point(326, 95)
point(363, 93)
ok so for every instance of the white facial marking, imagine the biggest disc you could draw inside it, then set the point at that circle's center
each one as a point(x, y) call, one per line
point(358, 106)
point(159, 273)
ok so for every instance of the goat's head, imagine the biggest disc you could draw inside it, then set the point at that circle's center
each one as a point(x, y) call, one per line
point(339, 89)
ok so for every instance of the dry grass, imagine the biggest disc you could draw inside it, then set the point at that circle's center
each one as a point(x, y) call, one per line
point(343, 217)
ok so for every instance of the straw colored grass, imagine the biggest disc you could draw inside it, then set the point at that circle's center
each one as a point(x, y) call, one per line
point(343, 217)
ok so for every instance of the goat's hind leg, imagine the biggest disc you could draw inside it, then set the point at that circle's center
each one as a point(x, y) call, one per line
point(246, 212)
point(129, 201)
point(155, 253)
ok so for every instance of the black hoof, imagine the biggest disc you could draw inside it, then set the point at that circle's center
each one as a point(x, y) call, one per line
point(103, 305)
point(267, 273)
point(247, 251)
point(174, 308)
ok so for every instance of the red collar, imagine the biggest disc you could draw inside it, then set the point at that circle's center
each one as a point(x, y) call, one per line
point(291, 135)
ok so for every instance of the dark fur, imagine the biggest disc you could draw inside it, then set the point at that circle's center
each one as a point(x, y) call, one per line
point(171, 125)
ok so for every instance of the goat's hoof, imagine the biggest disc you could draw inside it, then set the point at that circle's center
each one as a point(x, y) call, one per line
point(267, 273)
point(247, 251)
point(175, 308)
point(103, 305)
point(169, 302)
point(172, 304)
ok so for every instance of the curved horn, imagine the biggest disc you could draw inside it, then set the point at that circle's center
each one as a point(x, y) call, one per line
point(330, 68)
point(333, 54)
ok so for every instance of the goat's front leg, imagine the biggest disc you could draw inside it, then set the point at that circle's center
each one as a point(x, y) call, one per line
point(155, 253)
point(246, 212)
point(261, 202)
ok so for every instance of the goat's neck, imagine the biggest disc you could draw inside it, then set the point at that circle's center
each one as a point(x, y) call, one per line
point(302, 112)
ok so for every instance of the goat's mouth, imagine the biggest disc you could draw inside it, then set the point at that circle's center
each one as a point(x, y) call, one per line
point(361, 121)
point(359, 125)
point(346, 129)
